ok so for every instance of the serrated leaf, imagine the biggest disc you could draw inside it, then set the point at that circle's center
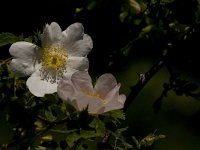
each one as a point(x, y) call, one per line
point(29, 39)
point(115, 115)
point(72, 138)
point(99, 126)
point(83, 134)
point(119, 131)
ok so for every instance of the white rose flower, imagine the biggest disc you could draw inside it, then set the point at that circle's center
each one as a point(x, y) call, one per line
point(80, 93)
point(61, 54)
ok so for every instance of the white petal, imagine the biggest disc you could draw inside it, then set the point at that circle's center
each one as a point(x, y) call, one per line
point(82, 81)
point(78, 63)
point(65, 89)
point(22, 67)
point(72, 34)
point(52, 34)
point(94, 104)
point(104, 84)
point(24, 50)
point(39, 87)
point(81, 47)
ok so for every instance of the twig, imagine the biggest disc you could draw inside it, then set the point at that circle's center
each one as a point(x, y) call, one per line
point(5, 61)
point(144, 78)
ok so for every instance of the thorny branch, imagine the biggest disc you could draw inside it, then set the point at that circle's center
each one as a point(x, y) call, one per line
point(144, 78)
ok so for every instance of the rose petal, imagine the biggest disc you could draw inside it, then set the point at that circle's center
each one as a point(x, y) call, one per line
point(114, 100)
point(24, 50)
point(81, 47)
point(72, 34)
point(104, 84)
point(52, 34)
point(82, 81)
point(94, 104)
point(122, 98)
point(112, 94)
point(113, 105)
point(39, 87)
point(66, 90)
point(22, 67)
point(78, 63)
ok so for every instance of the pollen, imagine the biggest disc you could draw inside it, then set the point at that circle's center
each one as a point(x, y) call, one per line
point(94, 94)
point(54, 60)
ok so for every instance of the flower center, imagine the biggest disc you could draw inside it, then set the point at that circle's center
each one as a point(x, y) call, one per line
point(95, 94)
point(54, 61)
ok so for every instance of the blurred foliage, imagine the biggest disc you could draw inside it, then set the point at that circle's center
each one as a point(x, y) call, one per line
point(122, 30)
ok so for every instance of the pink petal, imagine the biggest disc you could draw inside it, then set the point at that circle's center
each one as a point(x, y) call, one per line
point(104, 84)
point(114, 100)
point(95, 105)
point(65, 89)
point(82, 81)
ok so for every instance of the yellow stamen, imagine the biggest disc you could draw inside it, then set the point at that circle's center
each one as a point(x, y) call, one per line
point(93, 94)
point(96, 95)
point(54, 61)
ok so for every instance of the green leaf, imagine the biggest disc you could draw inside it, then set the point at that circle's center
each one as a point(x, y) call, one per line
point(99, 126)
point(119, 140)
point(117, 114)
point(123, 15)
point(9, 38)
point(147, 29)
point(72, 138)
point(83, 134)
point(135, 6)
point(86, 134)
point(114, 116)
point(40, 148)
point(136, 142)
point(91, 5)
point(49, 115)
